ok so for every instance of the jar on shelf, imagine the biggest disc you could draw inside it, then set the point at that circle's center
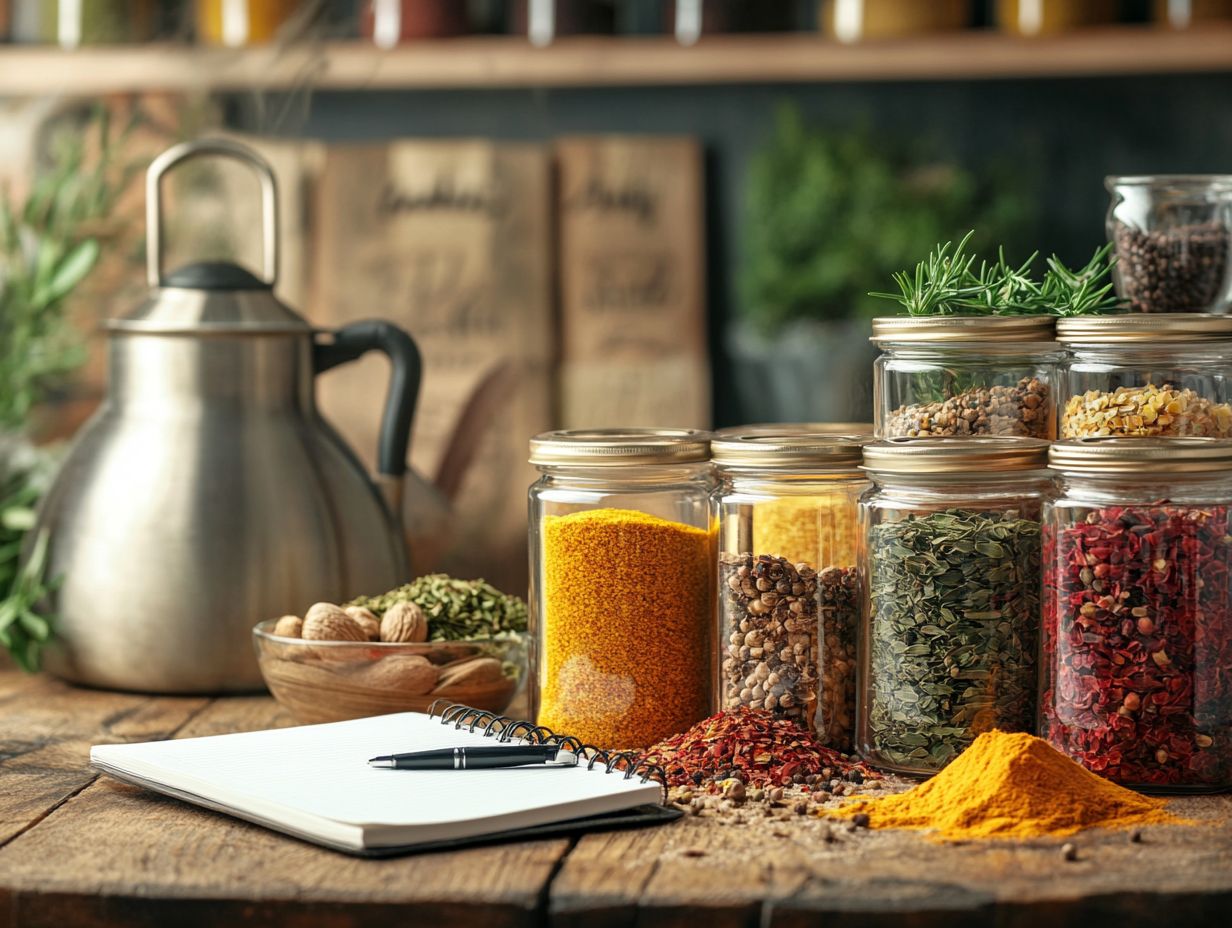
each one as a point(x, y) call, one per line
point(622, 574)
point(389, 23)
point(71, 24)
point(1140, 375)
point(951, 596)
point(1052, 17)
point(1137, 635)
point(1172, 236)
point(959, 376)
point(1186, 14)
point(788, 577)
point(859, 20)
point(236, 23)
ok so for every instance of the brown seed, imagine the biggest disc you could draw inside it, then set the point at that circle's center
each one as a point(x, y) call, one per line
point(1069, 852)
point(860, 820)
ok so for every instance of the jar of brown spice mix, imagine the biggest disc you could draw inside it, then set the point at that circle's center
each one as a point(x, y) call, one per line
point(788, 584)
point(1172, 237)
point(622, 572)
point(962, 376)
point(1142, 375)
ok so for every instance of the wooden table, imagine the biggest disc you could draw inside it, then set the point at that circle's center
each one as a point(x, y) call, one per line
point(77, 849)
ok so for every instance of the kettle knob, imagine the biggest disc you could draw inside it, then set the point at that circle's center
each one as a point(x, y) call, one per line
point(222, 148)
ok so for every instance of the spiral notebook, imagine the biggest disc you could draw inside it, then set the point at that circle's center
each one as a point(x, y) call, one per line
point(314, 782)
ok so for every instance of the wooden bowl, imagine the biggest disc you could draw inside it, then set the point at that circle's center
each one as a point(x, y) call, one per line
point(328, 681)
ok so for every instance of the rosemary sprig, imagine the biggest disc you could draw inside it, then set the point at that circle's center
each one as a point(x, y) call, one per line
point(947, 283)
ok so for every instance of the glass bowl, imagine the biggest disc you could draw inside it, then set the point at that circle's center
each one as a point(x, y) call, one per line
point(329, 681)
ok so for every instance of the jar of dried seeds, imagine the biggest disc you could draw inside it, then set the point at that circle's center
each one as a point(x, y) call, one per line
point(959, 376)
point(1137, 633)
point(952, 596)
point(1145, 375)
point(1172, 236)
point(788, 581)
point(622, 574)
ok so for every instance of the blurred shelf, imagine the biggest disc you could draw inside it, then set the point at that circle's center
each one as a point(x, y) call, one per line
point(490, 62)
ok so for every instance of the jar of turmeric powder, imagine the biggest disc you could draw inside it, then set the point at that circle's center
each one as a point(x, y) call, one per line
point(789, 602)
point(622, 574)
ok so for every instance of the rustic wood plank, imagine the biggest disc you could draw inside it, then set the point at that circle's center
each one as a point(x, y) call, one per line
point(47, 731)
point(117, 855)
point(771, 874)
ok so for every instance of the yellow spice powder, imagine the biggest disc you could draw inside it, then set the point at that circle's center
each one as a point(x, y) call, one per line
point(815, 530)
point(1012, 786)
point(627, 603)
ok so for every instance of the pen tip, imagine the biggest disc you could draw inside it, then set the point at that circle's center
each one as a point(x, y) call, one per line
point(381, 762)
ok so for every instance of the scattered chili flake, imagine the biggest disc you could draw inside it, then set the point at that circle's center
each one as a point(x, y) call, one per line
point(1138, 643)
point(753, 745)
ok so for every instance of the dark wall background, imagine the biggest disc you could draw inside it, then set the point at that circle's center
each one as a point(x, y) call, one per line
point(1063, 135)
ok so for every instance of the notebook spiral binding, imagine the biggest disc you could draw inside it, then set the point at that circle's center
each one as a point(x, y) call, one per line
point(506, 729)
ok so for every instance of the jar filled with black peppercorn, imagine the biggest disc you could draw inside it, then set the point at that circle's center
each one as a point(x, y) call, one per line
point(1137, 633)
point(1172, 236)
point(788, 583)
point(963, 376)
point(951, 596)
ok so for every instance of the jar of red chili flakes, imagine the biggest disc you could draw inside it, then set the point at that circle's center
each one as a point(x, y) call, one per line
point(1137, 634)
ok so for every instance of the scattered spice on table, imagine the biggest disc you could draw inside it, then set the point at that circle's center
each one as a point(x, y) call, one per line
point(627, 626)
point(756, 748)
point(954, 613)
point(1145, 411)
point(455, 609)
point(782, 623)
point(1011, 785)
point(1022, 410)
point(1173, 270)
point(1138, 644)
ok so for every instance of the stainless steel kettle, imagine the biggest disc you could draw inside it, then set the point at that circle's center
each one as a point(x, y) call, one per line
point(207, 493)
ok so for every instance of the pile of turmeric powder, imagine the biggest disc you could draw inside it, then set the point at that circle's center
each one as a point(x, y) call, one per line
point(1012, 786)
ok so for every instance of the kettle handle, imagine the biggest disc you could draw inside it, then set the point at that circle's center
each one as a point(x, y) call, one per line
point(222, 148)
point(350, 343)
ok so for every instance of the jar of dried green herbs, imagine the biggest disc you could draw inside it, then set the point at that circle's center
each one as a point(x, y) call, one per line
point(622, 604)
point(952, 596)
point(788, 583)
point(963, 376)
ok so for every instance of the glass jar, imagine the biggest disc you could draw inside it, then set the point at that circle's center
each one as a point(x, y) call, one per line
point(1137, 634)
point(1144, 375)
point(952, 376)
point(622, 574)
point(951, 596)
point(1172, 236)
point(860, 20)
point(1052, 17)
point(236, 23)
point(788, 578)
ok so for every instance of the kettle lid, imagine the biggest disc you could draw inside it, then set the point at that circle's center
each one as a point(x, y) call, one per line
point(211, 296)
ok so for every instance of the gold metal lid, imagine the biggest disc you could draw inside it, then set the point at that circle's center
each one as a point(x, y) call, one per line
point(845, 429)
point(918, 329)
point(787, 447)
point(620, 447)
point(1145, 456)
point(1143, 327)
point(971, 456)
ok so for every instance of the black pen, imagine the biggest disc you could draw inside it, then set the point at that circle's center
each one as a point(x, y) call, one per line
point(479, 758)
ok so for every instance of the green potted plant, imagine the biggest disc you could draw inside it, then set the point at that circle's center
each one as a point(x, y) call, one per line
point(828, 217)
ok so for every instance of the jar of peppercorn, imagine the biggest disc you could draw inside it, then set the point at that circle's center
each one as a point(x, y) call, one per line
point(622, 575)
point(1172, 236)
point(788, 580)
point(1137, 635)
point(1146, 375)
point(959, 376)
point(951, 608)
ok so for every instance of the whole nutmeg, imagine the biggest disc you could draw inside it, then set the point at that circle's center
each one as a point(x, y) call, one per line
point(406, 673)
point(365, 620)
point(470, 672)
point(289, 626)
point(327, 622)
point(404, 622)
